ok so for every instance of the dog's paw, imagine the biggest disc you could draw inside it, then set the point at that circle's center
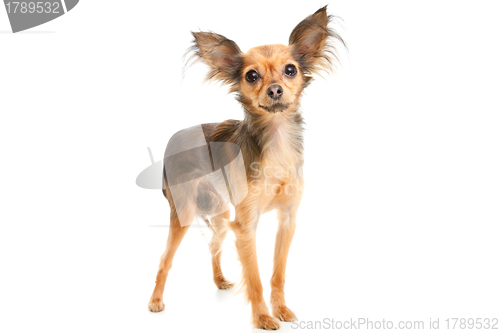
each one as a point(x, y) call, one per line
point(223, 284)
point(156, 305)
point(284, 314)
point(266, 322)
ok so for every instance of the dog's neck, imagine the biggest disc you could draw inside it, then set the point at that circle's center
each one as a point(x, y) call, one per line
point(279, 137)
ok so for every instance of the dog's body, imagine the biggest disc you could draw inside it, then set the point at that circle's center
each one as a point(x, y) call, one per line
point(268, 81)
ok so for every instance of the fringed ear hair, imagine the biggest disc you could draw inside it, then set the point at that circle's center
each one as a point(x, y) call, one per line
point(222, 55)
point(313, 43)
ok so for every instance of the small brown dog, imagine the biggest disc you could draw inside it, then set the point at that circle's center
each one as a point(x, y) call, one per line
point(268, 81)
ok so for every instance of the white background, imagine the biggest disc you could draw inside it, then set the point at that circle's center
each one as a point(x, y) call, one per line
point(400, 218)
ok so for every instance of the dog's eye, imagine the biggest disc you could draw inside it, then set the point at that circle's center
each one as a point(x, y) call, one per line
point(251, 76)
point(290, 70)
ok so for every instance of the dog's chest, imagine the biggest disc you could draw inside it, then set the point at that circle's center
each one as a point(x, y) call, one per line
point(282, 153)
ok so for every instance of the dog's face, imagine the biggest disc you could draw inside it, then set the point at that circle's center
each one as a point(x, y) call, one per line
point(270, 79)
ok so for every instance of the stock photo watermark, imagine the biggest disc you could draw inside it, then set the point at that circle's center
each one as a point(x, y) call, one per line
point(25, 15)
point(384, 324)
point(208, 176)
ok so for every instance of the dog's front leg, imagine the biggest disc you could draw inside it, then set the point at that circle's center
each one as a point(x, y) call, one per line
point(286, 230)
point(244, 229)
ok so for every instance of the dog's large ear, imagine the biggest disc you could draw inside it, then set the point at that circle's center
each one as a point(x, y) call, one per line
point(222, 55)
point(312, 43)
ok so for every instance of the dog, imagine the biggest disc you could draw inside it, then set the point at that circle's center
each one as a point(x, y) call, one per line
point(268, 82)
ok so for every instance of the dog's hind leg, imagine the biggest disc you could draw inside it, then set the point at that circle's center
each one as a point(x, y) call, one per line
point(220, 229)
point(175, 237)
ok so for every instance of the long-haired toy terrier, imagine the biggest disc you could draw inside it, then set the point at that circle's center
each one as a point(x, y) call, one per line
point(255, 164)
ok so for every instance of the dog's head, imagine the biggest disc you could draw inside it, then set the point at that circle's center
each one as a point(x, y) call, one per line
point(270, 78)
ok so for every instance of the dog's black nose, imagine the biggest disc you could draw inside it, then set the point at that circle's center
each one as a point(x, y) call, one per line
point(275, 91)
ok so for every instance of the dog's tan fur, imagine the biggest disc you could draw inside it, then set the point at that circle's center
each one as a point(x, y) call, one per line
point(270, 139)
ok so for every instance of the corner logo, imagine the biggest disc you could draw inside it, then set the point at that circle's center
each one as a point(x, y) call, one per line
point(28, 14)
